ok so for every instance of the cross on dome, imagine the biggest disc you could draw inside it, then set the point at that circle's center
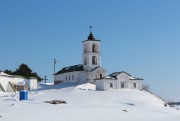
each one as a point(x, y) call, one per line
point(90, 27)
point(91, 36)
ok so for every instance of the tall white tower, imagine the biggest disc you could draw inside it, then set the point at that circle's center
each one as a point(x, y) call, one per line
point(91, 53)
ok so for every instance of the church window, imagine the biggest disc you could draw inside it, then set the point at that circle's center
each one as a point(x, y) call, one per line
point(84, 61)
point(72, 77)
point(66, 78)
point(134, 84)
point(85, 50)
point(93, 48)
point(69, 77)
point(94, 60)
point(122, 85)
point(111, 85)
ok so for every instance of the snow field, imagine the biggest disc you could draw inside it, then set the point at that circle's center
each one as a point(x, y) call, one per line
point(85, 104)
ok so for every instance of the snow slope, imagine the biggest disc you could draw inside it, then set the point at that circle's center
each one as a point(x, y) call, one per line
point(85, 104)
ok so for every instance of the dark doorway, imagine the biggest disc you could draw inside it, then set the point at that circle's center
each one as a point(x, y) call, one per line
point(122, 85)
point(100, 76)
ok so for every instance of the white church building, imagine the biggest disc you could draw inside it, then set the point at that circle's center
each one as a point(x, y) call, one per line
point(91, 70)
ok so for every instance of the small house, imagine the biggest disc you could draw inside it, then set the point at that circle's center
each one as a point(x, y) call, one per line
point(118, 80)
point(21, 86)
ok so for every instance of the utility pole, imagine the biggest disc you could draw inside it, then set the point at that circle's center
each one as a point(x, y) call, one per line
point(54, 68)
point(45, 79)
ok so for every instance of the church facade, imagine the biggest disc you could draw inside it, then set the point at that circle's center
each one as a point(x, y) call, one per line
point(89, 70)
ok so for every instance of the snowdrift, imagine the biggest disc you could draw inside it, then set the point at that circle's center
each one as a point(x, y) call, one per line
point(84, 103)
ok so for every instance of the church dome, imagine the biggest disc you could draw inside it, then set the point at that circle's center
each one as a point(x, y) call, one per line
point(91, 36)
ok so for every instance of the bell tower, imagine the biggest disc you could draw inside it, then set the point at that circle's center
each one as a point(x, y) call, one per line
point(91, 52)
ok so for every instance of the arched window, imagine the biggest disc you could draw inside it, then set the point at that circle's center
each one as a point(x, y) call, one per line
point(85, 50)
point(85, 61)
point(93, 48)
point(72, 77)
point(94, 60)
point(111, 85)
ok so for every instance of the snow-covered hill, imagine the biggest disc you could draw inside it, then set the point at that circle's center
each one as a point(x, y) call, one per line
point(85, 104)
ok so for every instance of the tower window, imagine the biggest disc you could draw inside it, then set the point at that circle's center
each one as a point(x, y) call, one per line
point(93, 48)
point(94, 60)
point(85, 50)
point(85, 62)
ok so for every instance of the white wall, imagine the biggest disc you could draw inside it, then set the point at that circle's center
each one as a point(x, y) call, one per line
point(4, 80)
point(31, 82)
point(88, 57)
point(131, 84)
point(108, 82)
point(104, 84)
point(88, 46)
point(100, 85)
point(123, 77)
point(92, 75)
point(88, 54)
point(79, 76)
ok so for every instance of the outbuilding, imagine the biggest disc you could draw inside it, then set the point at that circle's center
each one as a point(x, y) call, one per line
point(8, 83)
point(118, 80)
point(21, 86)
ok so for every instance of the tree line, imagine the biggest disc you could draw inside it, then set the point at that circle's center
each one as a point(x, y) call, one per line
point(24, 71)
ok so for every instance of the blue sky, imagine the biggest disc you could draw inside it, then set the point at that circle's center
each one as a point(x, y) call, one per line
point(141, 37)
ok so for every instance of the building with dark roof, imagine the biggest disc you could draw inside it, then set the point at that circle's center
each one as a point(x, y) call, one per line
point(89, 70)
point(119, 80)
